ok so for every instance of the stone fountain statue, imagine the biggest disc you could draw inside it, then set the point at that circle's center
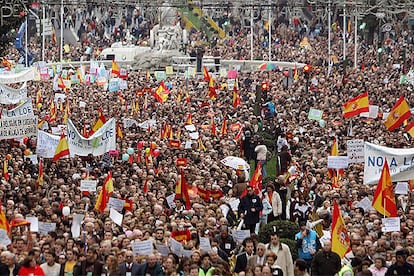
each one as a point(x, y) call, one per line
point(166, 39)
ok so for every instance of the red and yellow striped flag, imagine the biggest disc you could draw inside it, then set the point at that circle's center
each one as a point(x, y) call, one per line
point(6, 175)
point(62, 149)
point(399, 112)
point(340, 239)
point(384, 198)
point(40, 181)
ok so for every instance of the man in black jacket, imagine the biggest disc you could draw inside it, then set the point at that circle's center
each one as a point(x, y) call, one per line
point(129, 267)
point(249, 209)
point(242, 258)
point(326, 262)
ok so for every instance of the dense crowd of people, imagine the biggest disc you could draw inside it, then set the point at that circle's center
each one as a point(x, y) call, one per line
point(297, 187)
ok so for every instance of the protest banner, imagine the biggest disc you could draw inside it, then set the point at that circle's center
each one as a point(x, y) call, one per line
point(46, 144)
point(315, 114)
point(127, 122)
point(15, 77)
point(25, 109)
point(88, 185)
point(46, 227)
point(400, 161)
point(355, 150)
point(16, 127)
point(337, 162)
point(100, 142)
point(10, 95)
point(143, 247)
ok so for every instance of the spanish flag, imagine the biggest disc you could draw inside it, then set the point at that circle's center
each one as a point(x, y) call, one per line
point(115, 68)
point(187, 97)
point(189, 120)
point(206, 75)
point(85, 131)
point(339, 234)
point(5, 62)
point(38, 96)
point(161, 93)
point(384, 198)
point(62, 148)
point(224, 129)
point(105, 193)
point(145, 188)
point(410, 129)
point(119, 133)
point(42, 121)
point(295, 73)
point(4, 224)
point(128, 204)
point(333, 173)
point(40, 181)
point(255, 182)
point(399, 113)
point(203, 194)
point(60, 82)
point(213, 127)
point(54, 40)
point(212, 94)
point(236, 96)
point(181, 191)
point(53, 112)
point(181, 162)
point(356, 105)
point(175, 144)
point(201, 145)
point(6, 175)
point(67, 113)
point(100, 122)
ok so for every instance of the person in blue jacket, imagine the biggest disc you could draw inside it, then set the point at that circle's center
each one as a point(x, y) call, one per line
point(307, 243)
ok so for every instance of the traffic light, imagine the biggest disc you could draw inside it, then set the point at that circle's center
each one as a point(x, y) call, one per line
point(265, 86)
point(306, 70)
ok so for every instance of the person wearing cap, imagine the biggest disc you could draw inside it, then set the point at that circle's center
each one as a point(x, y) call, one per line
point(400, 267)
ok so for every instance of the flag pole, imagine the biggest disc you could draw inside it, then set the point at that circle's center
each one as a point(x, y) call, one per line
point(329, 38)
point(251, 32)
point(270, 30)
point(344, 33)
point(61, 32)
point(26, 41)
point(43, 32)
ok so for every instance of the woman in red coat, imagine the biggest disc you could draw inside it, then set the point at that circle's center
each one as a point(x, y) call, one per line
point(30, 267)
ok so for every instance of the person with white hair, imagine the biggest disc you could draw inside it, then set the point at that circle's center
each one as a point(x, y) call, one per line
point(9, 265)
